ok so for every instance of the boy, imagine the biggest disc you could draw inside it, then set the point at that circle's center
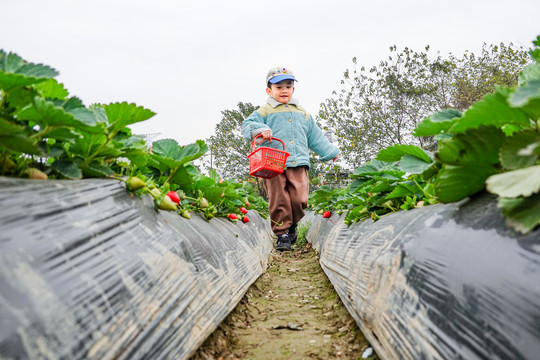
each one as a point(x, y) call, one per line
point(282, 117)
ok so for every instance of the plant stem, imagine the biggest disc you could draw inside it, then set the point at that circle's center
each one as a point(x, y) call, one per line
point(421, 189)
point(91, 157)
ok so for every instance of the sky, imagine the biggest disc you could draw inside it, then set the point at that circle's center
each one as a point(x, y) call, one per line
point(190, 60)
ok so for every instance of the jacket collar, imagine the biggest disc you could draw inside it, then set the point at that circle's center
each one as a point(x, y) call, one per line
point(274, 103)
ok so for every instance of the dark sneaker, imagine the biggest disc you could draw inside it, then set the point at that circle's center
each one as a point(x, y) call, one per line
point(292, 233)
point(283, 243)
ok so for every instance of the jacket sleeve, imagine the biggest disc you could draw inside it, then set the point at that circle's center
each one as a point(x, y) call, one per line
point(253, 125)
point(319, 143)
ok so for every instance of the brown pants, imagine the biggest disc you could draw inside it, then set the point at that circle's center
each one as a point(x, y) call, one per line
point(287, 198)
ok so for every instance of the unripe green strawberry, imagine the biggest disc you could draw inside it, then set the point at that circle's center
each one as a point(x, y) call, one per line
point(134, 183)
point(156, 192)
point(167, 204)
point(204, 203)
point(35, 174)
point(185, 213)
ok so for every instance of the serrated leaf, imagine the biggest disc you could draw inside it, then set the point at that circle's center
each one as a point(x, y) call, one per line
point(48, 113)
point(202, 182)
point(96, 170)
point(531, 72)
point(474, 146)
point(493, 110)
point(94, 145)
point(377, 168)
point(521, 182)
point(8, 128)
point(52, 89)
point(64, 134)
point(122, 114)
point(510, 129)
point(213, 174)
point(457, 182)
point(396, 152)
point(402, 190)
point(166, 148)
point(513, 154)
point(437, 123)
point(19, 143)
point(67, 169)
point(522, 214)
point(14, 71)
point(413, 165)
point(525, 94)
point(169, 148)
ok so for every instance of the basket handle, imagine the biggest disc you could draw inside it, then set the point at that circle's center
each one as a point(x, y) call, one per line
point(253, 142)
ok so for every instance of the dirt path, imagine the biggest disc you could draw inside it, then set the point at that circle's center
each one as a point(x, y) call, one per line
point(291, 312)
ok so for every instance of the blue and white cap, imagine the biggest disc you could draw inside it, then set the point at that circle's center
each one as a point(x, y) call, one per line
point(278, 74)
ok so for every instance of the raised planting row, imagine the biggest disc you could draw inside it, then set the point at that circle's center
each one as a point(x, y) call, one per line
point(446, 281)
point(88, 271)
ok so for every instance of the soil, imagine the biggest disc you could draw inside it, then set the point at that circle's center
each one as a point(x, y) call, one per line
point(290, 312)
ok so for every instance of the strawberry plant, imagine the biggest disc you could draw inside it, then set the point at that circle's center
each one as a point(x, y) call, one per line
point(494, 145)
point(45, 133)
point(44, 128)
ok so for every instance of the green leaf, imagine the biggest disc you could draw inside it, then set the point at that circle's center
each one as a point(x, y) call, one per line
point(96, 169)
point(14, 71)
point(201, 182)
point(493, 110)
point(437, 123)
point(167, 148)
point(20, 143)
point(402, 190)
point(47, 113)
point(167, 151)
point(67, 169)
point(52, 89)
point(8, 128)
point(474, 146)
point(94, 145)
point(122, 114)
point(521, 182)
point(64, 134)
point(213, 174)
point(377, 168)
point(510, 129)
point(514, 154)
point(396, 152)
point(531, 72)
point(457, 182)
point(525, 94)
point(522, 214)
point(413, 165)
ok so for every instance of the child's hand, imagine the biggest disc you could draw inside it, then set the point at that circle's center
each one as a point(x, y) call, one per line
point(266, 135)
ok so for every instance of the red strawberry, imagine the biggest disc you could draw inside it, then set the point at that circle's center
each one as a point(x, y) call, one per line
point(243, 210)
point(326, 214)
point(174, 196)
point(245, 219)
point(232, 216)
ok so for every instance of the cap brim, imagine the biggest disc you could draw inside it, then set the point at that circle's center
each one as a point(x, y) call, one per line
point(280, 78)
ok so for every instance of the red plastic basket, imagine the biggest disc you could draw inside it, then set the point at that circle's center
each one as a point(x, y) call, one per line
point(266, 162)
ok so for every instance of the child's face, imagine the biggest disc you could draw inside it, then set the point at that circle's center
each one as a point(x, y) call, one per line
point(282, 91)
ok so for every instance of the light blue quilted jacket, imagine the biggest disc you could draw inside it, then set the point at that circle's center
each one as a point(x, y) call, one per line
point(292, 124)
